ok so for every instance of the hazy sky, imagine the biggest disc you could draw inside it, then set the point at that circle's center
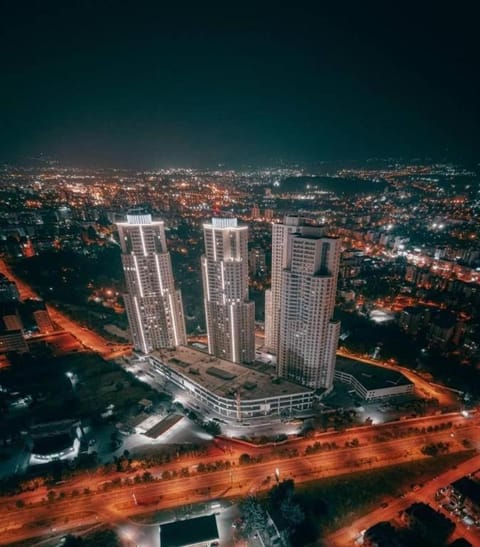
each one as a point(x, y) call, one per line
point(144, 84)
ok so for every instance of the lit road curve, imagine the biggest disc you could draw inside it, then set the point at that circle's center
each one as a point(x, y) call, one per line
point(118, 505)
point(347, 536)
point(444, 397)
point(88, 338)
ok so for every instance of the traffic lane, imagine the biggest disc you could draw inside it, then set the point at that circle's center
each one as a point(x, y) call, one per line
point(380, 449)
point(119, 503)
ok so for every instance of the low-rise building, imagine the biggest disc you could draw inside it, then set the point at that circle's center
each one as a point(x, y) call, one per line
point(372, 382)
point(8, 290)
point(432, 526)
point(383, 534)
point(195, 532)
point(467, 492)
point(12, 340)
point(59, 440)
point(229, 389)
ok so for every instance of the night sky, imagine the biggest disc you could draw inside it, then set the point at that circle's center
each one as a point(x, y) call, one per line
point(145, 84)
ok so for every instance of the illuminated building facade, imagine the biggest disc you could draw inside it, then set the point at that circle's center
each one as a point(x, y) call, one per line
point(231, 390)
point(229, 314)
point(154, 307)
point(307, 335)
point(280, 256)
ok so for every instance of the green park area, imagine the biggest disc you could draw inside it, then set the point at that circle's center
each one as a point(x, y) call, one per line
point(310, 512)
point(74, 386)
point(332, 503)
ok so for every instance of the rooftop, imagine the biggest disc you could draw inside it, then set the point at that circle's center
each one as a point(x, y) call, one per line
point(225, 378)
point(430, 518)
point(468, 488)
point(189, 532)
point(52, 445)
point(371, 376)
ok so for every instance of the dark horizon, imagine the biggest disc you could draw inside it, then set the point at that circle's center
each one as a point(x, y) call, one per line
point(139, 86)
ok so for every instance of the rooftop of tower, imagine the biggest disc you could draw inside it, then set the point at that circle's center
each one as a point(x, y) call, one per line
point(136, 217)
point(225, 223)
point(225, 378)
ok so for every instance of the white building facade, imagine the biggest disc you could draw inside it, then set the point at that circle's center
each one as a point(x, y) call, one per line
point(307, 335)
point(153, 305)
point(230, 316)
point(280, 257)
point(219, 385)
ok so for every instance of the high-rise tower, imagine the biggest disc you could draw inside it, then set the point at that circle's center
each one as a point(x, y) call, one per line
point(299, 308)
point(280, 256)
point(229, 314)
point(154, 307)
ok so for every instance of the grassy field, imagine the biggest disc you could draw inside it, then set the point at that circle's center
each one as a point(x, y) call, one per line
point(98, 383)
point(332, 503)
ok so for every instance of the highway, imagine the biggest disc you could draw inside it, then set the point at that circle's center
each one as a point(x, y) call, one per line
point(231, 449)
point(118, 505)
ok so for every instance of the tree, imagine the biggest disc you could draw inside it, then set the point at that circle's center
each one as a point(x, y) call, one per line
point(212, 427)
point(292, 512)
point(283, 500)
point(244, 459)
point(73, 541)
point(147, 477)
point(280, 492)
point(255, 517)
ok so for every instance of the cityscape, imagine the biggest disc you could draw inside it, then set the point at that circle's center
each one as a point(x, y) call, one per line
point(275, 343)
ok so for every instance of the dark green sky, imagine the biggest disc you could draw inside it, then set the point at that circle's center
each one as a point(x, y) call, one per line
point(148, 84)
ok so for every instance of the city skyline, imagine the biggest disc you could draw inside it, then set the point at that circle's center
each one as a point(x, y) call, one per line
point(239, 274)
point(396, 404)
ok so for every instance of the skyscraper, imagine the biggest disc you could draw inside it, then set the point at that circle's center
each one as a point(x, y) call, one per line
point(154, 307)
point(301, 303)
point(280, 252)
point(229, 314)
